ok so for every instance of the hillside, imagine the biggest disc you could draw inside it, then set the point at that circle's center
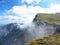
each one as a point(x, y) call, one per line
point(49, 18)
point(50, 40)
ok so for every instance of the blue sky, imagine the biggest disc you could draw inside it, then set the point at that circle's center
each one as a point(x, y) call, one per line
point(25, 10)
point(8, 4)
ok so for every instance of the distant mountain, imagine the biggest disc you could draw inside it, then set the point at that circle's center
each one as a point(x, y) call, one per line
point(9, 33)
point(58, 13)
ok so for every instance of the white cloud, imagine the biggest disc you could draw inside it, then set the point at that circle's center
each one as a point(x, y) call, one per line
point(55, 8)
point(30, 1)
point(25, 14)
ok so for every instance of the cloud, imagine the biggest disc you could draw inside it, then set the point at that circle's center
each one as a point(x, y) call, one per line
point(42, 3)
point(30, 1)
point(24, 14)
point(55, 8)
point(8, 19)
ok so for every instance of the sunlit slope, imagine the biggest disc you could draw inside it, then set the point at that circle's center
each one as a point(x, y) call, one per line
point(49, 18)
point(50, 40)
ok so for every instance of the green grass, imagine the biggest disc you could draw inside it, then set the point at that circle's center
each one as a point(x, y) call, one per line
point(49, 18)
point(50, 40)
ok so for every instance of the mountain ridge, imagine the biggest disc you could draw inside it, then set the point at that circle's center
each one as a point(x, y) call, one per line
point(13, 34)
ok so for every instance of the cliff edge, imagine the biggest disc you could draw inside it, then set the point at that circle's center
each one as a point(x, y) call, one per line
point(48, 18)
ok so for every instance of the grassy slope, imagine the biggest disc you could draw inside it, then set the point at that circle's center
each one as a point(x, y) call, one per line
point(51, 40)
point(49, 18)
